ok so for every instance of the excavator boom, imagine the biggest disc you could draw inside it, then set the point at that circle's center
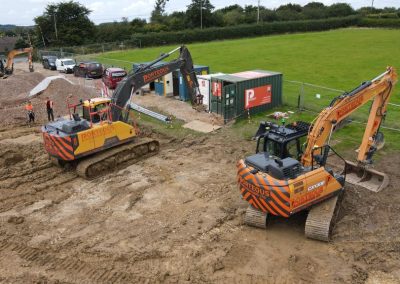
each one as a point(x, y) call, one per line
point(148, 73)
point(379, 91)
point(9, 67)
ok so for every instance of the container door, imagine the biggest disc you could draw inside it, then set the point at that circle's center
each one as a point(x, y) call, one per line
point(159, 87)
point(204, 86)
point(175, 82)
point(229, 101)
point(216, 97)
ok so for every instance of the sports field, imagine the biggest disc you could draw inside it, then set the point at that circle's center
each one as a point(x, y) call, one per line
point(339, 59)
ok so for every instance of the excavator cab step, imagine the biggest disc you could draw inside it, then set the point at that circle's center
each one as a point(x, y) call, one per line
point(366, 177)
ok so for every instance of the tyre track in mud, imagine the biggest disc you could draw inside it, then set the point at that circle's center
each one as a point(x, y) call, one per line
point(73, 269)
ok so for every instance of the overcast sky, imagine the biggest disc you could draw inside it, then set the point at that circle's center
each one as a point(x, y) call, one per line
point(110, 10)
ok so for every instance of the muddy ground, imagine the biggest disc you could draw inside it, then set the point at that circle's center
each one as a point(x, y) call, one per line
point(176, 217)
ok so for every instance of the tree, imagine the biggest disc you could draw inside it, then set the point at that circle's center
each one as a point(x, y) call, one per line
point(233, 17)
point(315, 10)
point(199, 13)
point(340, 10)
point(176, 21)
point(158, 14)
point(21, 43)
point(267, 15)
point(289, 12)
point(250, 14)
point(65, 23)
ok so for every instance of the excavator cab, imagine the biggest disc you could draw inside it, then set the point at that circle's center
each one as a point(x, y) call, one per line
point(283, 141)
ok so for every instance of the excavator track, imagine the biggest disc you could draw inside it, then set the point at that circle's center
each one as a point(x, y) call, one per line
point(255, 218)
point(321, 219)
point(127, 153)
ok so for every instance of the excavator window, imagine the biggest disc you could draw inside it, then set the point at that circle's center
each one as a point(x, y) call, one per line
point(86, 114)
point(273, 148)
point(292, 150)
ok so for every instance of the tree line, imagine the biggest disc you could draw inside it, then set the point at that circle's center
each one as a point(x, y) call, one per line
point(68, 23)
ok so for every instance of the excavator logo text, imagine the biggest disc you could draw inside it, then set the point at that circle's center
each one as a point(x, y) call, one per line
point(155, 74)
point(351, 106)
point(312, 187)
point(253, 189)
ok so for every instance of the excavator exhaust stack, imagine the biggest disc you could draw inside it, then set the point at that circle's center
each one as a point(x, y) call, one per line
point(367, 178)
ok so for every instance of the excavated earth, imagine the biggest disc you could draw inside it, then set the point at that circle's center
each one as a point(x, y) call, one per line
point(175, 217)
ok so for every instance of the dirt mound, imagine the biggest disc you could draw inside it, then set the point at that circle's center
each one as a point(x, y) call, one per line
point(16, 87)
point(12, 111)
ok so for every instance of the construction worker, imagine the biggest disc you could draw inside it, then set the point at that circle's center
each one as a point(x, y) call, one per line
point(30, 113)
point(49, 107)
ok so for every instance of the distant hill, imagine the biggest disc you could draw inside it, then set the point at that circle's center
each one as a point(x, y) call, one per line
point(12, 27)
point(7, 27)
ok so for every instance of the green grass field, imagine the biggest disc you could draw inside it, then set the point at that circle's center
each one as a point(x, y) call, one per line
point(339, 59)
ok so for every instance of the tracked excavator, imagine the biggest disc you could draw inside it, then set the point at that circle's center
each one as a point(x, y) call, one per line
point(8, 69)
point(281, 179)
point(99, 134)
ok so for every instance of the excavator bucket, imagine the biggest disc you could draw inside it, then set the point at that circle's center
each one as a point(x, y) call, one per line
point(367, 178)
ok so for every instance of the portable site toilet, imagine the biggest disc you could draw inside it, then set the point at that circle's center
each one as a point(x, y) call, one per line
point(205, 87)
point(172, 84)
point(164, 86)
point(249, 92)
point(183, 92)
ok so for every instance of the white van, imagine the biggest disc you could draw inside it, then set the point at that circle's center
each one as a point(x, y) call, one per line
point(65, 65)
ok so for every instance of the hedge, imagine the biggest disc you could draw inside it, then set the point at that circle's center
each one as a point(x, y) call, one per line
point(241, 31)
point(379, 23)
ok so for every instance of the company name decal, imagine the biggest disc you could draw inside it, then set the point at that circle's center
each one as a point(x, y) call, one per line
point(348, 108)
point(307, 197)
point(155, 74)
point(97, 132)
point(254, 189)
point(312, 187)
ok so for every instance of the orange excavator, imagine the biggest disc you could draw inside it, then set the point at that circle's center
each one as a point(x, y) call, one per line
point(281, 179)
point(8, 69)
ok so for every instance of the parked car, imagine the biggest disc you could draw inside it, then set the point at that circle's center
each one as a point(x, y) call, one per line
point(112, 76)
point(65, 65)
point(88, 69)
point(49, 62)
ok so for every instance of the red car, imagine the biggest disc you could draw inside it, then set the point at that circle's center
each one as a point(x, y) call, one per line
point(112, 76)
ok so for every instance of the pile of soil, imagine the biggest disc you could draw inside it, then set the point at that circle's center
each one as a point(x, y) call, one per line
point(16, 87)
point(13, 111)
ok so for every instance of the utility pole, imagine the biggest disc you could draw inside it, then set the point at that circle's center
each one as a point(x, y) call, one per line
point(201, 14)
point(55, 25)
point(258, 12)
point(372, 5)
point(44, 43)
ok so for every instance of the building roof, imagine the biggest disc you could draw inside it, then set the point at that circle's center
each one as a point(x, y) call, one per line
point(246, 75)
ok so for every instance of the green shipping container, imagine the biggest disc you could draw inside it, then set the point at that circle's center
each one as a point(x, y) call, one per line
point(238, 94)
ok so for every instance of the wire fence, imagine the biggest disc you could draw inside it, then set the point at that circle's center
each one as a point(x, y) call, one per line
point(297, 94)
point(311, 97)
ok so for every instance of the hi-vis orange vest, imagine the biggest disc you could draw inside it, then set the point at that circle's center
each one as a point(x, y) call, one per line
point(29, 107)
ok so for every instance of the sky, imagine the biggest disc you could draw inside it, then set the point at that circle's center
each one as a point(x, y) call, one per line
point(114, 10)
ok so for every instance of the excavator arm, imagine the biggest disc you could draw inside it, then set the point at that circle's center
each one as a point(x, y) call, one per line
point(148, 73)
point(378, 89)
point(11, 55)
